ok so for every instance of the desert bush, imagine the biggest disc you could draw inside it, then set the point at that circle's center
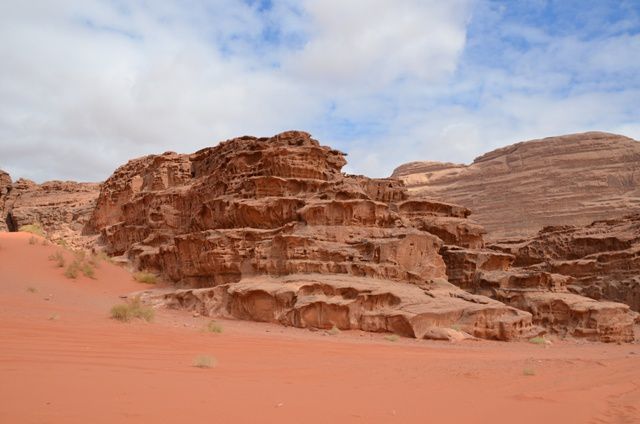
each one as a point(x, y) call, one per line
point(32, 289)
point(33, 240)
point(125, 312)
point(392, 338)
point(72, 270)
point(204, 361)
point(537, 340)
point(334, 331)
point(214, 327)
point(87, 270)
point(58, 259)
point(528, 371)
point(145, 277)
point(35, 228)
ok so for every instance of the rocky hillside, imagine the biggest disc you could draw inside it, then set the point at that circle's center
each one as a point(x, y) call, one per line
point(519, 189)
point(60, 208)
point(270, 229)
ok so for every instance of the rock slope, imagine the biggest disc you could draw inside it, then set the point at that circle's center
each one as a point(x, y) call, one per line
point(517, 190)
point(270, 229)
point(60, 208)
point(603, 258)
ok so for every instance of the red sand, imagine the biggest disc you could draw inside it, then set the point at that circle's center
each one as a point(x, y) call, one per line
point(86, 368)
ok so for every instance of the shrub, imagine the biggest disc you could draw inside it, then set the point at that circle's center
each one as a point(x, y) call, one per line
point(214, 327)
point(32, 289)
point(334, 331)
point(72, 270)
point(145, 277)
point(392, 338)
point(125, 312)
point(528, 371)
point(54, 317)
point(58, 259)
point(33, 229)
point(87, 270)
point(33, 240)
point(537, 340)
point(204, 362)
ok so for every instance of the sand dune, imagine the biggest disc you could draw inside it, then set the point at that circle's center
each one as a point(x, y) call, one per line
point(62, 360)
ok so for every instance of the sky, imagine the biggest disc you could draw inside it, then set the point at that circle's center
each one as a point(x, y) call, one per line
point(87, 85)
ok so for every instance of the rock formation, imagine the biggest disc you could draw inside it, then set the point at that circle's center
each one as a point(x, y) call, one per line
point(60, 208)
point(517, 190)
point(603, 258)
point(269, 229)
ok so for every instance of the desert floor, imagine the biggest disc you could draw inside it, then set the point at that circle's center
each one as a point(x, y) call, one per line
point(63, 360)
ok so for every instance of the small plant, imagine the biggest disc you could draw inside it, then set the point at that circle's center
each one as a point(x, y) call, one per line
point(214, 327)
point(87, 270)
point(33, 240)
point(537, 340)
point(54, 317)
point(392, 338)
point(32, 289)
point(72, 270)
point(62, 243)
point(125, 312)
point(58, 259)
point(528, 371)
point(145, 277)
point(334, 331)
point(102, 256)
point(33, 229)
point(204, 362)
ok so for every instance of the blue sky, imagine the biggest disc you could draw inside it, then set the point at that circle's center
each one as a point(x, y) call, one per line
point(87, 85)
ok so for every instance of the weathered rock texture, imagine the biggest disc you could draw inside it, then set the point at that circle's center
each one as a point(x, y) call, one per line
point(60, 208)
point(603, 258)
point(517, 190)
point(269, 229)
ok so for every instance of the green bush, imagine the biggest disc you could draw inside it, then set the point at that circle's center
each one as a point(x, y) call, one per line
point(204, 362)
point(214, 327)
point(125, 312)
point(35, 228)
point(145, 277)
point(537, 340)
point(58, 259)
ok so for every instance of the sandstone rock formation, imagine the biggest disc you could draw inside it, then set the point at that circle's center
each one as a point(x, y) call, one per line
point(517, 190)
point(603, 257)
point(61, 208)
point(269, 229)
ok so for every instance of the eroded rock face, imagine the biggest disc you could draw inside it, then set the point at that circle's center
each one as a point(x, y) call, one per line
point(270, 229)
point(603, 258)
point(517, 190)
point(61, 208)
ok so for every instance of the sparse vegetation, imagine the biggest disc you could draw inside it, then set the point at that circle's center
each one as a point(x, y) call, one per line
point(537, 340)
point(125, 312)
point(392, 338)
point(334, 331)
point(145, 277)
point(88, 270)
point(214, 327)
point(58, 258)
point(33, 240)
point(528, 371)
point(33, 229)
point(31, 289)
point(62, 243)
point(204, 361)
point(54, 317)
point(72, 270)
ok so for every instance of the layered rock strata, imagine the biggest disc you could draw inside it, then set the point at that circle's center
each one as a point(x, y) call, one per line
point(270, 229)
point(517, 190)
point(60, 208)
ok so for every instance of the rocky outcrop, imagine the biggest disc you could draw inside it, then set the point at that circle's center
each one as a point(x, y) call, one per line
point(602, 258)
point(517, 190)
point(5, 188)
point(270, 229)
point(60, 208)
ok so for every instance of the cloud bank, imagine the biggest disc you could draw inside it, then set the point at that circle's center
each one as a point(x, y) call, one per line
point(87, 85)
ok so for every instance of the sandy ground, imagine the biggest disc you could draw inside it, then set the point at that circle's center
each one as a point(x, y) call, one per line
point(62, 360)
